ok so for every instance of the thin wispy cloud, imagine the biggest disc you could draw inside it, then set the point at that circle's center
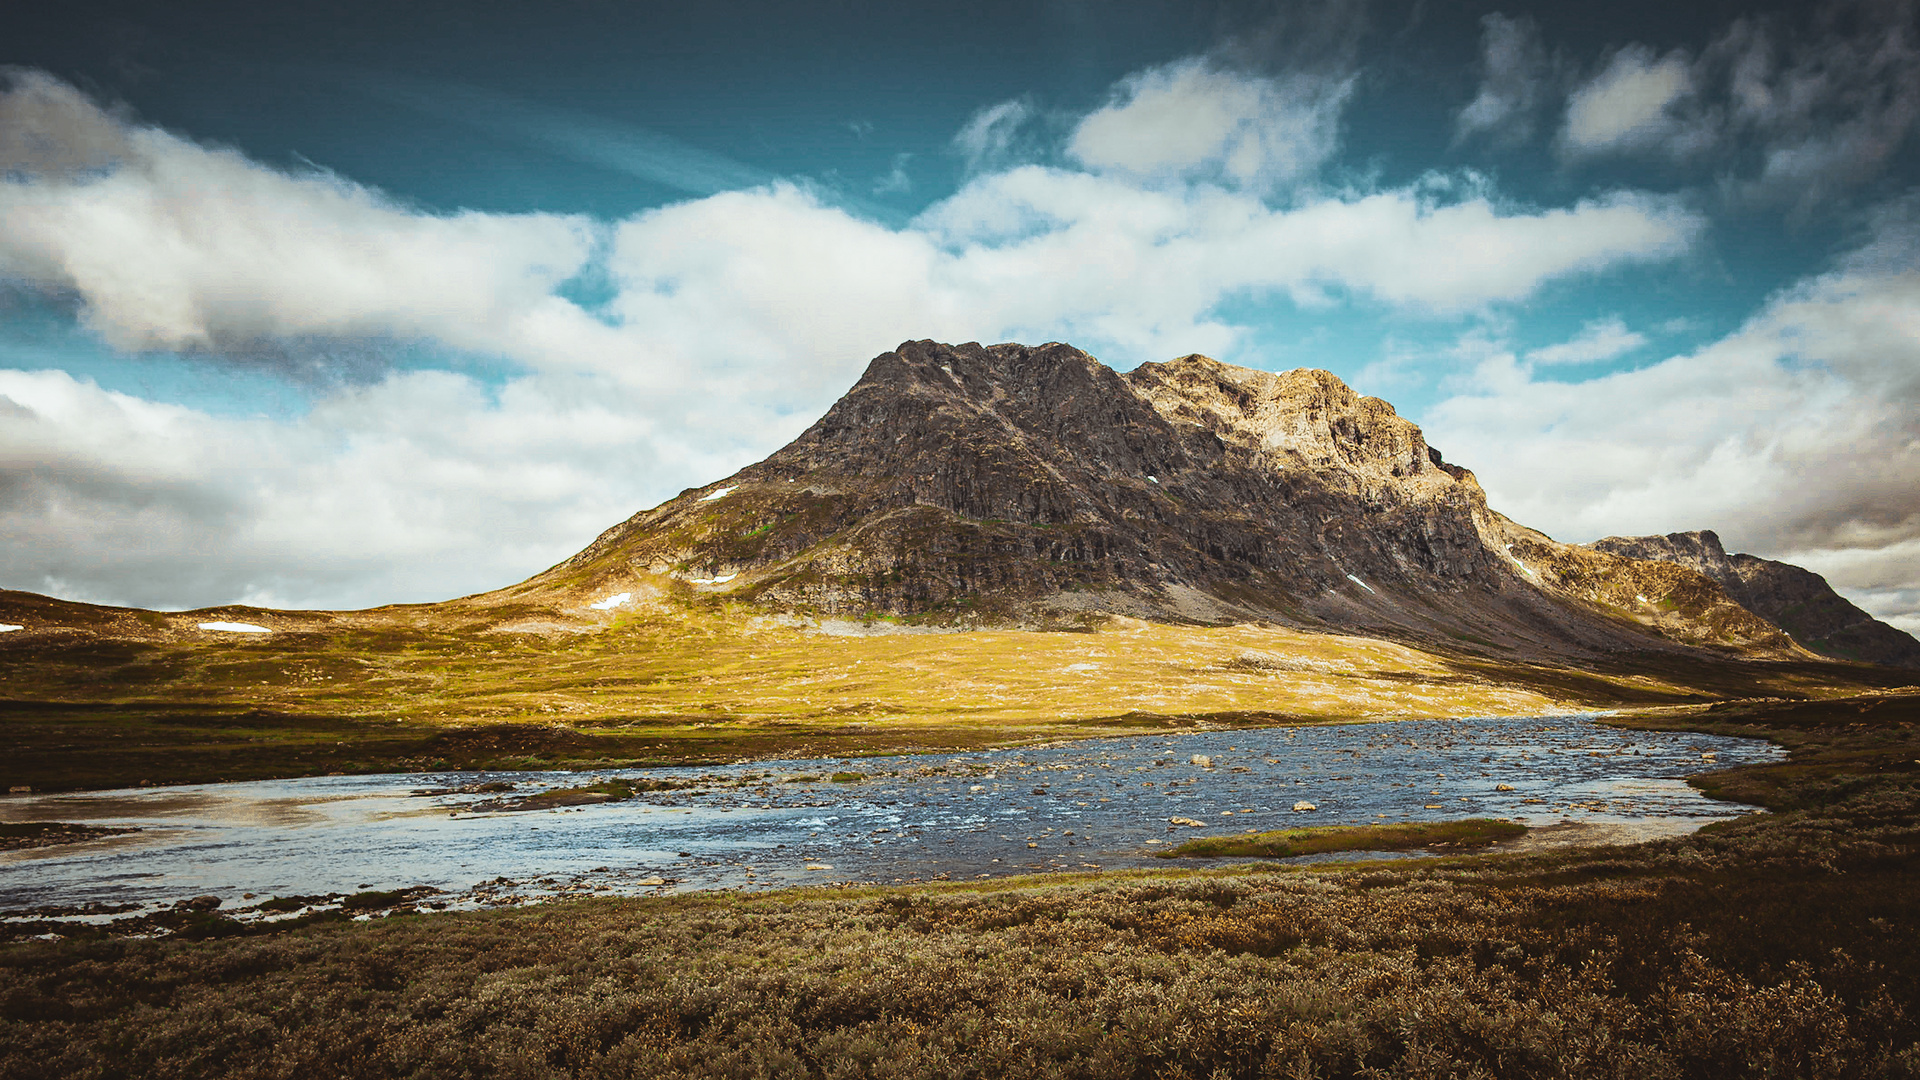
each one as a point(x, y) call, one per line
point(1518, 76)
point(996, 136)
point(1602, 339)
point(577, 136)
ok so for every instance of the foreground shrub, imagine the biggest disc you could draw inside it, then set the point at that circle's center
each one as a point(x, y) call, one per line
point(1774, 947)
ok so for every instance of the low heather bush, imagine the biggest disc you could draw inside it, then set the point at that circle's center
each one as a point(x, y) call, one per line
point(1778, 947)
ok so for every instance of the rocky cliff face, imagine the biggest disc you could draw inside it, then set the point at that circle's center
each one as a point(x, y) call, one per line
point(966, 483)
point(1795, 599)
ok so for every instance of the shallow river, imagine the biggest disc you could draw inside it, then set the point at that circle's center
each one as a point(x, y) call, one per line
point(1102, 803)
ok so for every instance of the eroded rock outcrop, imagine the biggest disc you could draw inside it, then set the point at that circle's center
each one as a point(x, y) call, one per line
point(1793, 598)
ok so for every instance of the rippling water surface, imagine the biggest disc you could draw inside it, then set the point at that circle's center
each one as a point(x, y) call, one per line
point(1101, 803)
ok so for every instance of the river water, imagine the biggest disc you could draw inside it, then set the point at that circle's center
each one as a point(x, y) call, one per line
point(1103, 803)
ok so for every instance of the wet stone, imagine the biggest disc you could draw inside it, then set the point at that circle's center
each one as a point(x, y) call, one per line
point(960, 815)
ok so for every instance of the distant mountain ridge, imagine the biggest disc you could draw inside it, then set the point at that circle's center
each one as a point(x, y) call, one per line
point(1795, 599)
point(974, 485)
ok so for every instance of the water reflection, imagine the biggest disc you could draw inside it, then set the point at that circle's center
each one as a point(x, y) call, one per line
point(1091, 804)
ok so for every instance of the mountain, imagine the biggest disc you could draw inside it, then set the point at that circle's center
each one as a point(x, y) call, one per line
point(1797, 600)
point(1244, 548)
point(978, 485)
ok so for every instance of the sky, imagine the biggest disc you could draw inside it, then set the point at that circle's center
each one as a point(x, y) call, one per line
point(333, 305)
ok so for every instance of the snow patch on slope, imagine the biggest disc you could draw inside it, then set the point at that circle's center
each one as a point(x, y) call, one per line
point(1528, 570)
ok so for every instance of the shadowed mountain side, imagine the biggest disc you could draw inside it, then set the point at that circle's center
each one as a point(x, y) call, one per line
point(976, 485)
point(1797, 600)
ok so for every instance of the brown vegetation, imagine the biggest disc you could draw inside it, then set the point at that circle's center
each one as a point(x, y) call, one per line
point(1776, 946)
point(687, 681)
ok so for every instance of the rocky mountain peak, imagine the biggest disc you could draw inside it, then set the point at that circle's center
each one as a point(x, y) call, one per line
point(1301, 419)
point(1033, 484)
point(1796, 599)
point(1699, 549)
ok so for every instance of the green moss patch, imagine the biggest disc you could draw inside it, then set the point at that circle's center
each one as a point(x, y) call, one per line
point(1286, 843)
point(372, 900)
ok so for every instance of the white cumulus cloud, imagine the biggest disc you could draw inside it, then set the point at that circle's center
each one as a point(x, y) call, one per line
point(1193, 118)
point(1633, 103)
point(1795, 437)
point(174, 245)
point(420, 486)
point(733, 321)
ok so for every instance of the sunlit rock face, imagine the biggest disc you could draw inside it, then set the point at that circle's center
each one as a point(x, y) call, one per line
point(978, 484)
point(1797, 600)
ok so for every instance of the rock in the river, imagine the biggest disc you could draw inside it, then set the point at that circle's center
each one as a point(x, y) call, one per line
point(1303, 806)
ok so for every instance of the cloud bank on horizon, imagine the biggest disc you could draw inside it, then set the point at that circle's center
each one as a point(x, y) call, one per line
point(579, 367)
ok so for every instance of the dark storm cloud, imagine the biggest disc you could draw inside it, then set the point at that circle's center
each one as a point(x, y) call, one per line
point(1792, 110)
point(104, 489)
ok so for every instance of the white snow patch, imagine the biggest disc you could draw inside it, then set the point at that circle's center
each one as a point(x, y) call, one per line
point(8, 628)
point(1360, 583)
point(235, 627)
point(721, 494)
point(611, 602)
point(712, 580)
point(1640, 598)
point(1153, 479)
point(1521, 565)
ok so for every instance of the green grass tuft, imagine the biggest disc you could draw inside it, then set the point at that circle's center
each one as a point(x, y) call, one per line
point(1319, 840)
